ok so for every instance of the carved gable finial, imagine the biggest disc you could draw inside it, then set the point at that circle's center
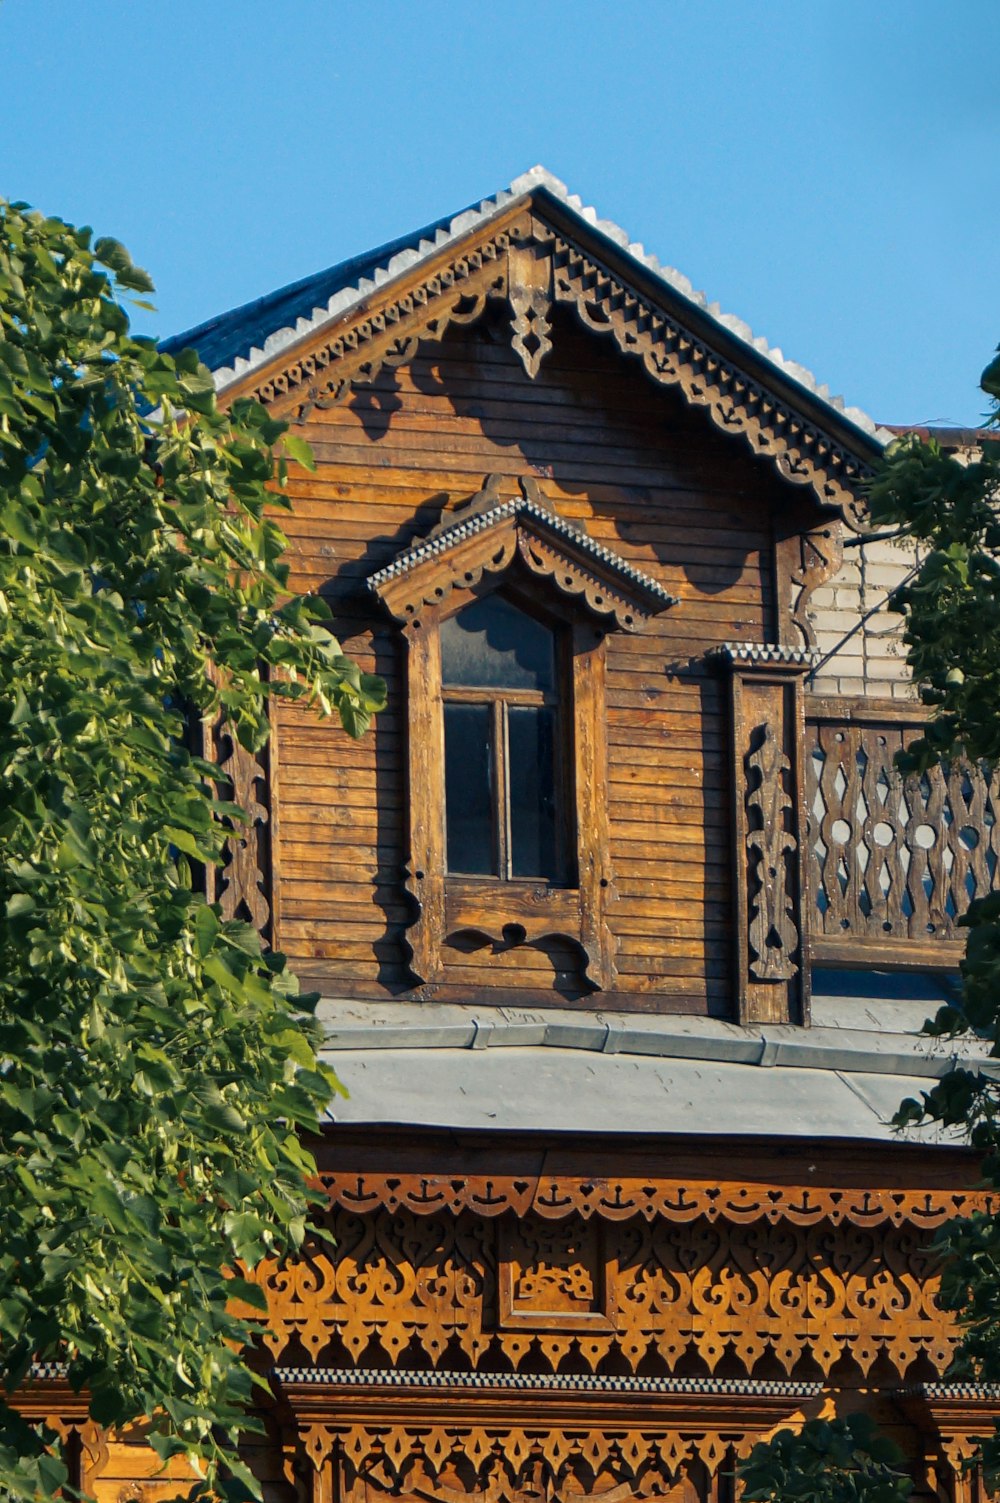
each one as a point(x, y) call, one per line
point(529, 280)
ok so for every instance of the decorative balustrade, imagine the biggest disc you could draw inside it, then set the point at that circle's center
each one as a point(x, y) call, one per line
point(892, 862)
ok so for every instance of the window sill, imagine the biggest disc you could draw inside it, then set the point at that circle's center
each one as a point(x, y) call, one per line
point(489, 905)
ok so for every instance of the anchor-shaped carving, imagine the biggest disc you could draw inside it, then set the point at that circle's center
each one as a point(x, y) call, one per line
point(773, 935)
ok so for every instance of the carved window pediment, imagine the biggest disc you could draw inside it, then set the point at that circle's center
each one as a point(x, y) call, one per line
point(490, 533)
point(518, 546)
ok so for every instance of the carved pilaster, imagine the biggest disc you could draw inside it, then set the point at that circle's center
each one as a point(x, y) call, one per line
point(769, 833)
point(773, 934)
point(242, 885)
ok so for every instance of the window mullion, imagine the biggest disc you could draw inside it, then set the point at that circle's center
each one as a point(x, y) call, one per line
point(501, 784)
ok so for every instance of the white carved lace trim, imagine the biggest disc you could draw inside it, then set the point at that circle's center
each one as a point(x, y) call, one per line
point(519, 506)
point(574, 1382)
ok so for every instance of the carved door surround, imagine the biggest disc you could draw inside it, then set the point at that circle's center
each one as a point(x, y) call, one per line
point(769, 830)
point(491, 541)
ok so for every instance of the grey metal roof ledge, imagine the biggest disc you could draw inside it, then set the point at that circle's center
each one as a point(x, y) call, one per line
point(430, 1026)
point(441, 1065)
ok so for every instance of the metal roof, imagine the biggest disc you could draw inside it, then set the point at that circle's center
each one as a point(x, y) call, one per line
point(552, 1070)
point(233, 342)
point(238, 342)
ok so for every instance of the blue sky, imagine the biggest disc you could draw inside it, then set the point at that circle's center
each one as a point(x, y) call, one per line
point(827, 170)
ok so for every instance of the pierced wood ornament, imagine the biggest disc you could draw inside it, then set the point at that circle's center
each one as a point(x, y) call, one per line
point(774, 937)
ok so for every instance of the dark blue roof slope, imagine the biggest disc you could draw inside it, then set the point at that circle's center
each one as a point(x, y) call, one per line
point(228, 337)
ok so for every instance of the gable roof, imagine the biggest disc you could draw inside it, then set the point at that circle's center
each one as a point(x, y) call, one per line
point(236, 343)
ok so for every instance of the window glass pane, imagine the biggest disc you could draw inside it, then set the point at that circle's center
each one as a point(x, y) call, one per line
point(468, 797)
point(493, 645)
point(531, 742)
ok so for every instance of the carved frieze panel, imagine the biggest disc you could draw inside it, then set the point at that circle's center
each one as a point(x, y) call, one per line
point(531, 1441)
point(498, 1465)
point(554, 1275)
point(440, 1290)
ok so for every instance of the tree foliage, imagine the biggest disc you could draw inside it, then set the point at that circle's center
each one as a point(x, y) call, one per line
point(827, 1461)
point(156, 1069)
point(952, 633)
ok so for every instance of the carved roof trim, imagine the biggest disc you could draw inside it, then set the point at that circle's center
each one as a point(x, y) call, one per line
point(766, 654)
point(554, 1196)
point(251, 336)
point(957, 1392)
point(631, 591)
point(354, 1377)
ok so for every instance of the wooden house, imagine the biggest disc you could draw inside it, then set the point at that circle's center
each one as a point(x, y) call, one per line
point(623, 919)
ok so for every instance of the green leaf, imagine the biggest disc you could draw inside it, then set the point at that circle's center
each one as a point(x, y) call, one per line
point(154, 1057)
point(18, 523)
point(296, 448)
point(206, 928)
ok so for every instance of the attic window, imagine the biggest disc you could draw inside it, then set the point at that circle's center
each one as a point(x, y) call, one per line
point(505, 609)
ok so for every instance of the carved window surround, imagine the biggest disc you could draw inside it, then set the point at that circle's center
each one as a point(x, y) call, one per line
point(956, 1416)
point(490, 540)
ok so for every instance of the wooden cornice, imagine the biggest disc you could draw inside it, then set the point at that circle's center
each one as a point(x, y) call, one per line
point(393, 1397)
point(523, 1434)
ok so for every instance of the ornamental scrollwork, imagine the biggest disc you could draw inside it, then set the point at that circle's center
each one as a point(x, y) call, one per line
point(456, 288)
point(620, 1198)
point(773, 935)
point(683, 1296)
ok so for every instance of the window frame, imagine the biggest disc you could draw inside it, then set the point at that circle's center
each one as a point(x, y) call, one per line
point(520, 545)
point(455, 903)
point(500, 701)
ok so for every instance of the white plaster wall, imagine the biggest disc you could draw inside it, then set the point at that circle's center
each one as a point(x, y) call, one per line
point(863, 656)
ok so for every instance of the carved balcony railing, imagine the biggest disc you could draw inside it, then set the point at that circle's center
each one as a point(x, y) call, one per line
point(892, 862)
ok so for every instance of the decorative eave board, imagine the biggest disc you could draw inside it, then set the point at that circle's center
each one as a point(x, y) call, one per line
point(536, 246)
point(490, 532)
